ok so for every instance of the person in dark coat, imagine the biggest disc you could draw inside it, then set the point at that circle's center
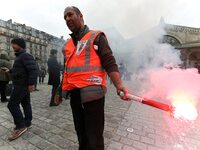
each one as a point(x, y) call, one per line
point(54, 74)
point(24, 75)
point(4, 76)
point(42, 74)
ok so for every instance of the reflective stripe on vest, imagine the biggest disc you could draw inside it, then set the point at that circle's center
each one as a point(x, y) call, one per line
point(84, 69)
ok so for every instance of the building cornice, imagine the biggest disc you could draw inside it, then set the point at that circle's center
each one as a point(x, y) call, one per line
point(184, 29)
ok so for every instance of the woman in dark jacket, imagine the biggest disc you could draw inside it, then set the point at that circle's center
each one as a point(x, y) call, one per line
point(54, 74)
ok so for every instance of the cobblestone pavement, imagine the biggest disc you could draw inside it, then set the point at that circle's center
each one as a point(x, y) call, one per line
point(128, 126)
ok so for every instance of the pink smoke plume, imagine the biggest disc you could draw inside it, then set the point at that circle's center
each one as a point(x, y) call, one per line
point(179, 87)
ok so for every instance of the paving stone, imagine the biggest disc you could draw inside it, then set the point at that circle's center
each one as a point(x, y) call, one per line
point(108, 134)
point(126, 141)
point(148, 130)
point(43, 144)
point(140, 145)
point(133, 136)
point(35, 140)
point(52, 148)
point(115, 146)
point(147, 140)
point(150, 147)
point(121, 133)
point(116, 138)
point(6, 147)
point(128, 148)
point(46, 135)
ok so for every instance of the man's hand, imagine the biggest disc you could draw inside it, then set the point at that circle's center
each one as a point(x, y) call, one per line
point(121, 88)
point(57, 99)
point(4, 69)
point(31, 88)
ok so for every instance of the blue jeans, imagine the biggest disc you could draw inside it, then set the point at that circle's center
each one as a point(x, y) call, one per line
point(20, 95)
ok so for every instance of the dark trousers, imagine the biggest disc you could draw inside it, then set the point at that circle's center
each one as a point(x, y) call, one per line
point(53, 92)
point(41, 79)
point(3, 90)
point(20, 95)
point(88, 121)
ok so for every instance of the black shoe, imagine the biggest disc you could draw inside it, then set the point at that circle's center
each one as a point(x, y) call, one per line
point(36, 90)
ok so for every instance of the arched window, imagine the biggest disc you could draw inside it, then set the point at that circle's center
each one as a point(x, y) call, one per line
point(171, 40)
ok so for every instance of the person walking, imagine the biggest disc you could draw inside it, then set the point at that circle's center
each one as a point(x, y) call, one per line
point(88, 59)
point(24, 75)
point(54, 74)
point(42, 74)
point(4, 76)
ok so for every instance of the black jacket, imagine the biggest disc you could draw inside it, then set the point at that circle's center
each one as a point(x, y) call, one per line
point(24, 71)
point(53, 70)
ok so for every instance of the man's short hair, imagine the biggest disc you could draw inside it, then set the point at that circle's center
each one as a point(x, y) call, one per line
point(19, 41)
point(77, 11)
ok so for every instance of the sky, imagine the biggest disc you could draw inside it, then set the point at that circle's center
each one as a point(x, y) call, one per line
point(129, 17)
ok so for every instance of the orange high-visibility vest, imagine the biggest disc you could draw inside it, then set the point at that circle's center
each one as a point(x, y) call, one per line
point(83, 66)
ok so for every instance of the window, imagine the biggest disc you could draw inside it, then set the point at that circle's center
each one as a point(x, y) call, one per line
point(8, 40)
point(2, 23)
point(27, 44)
point(19, 28)
point(33, 32)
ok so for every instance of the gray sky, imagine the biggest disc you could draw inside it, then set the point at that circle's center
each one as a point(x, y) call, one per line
point(130, 17)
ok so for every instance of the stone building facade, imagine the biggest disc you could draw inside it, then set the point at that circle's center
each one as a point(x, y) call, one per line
point(185, 39)
point(38, 43)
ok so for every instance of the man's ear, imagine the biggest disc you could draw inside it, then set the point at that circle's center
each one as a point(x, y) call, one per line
point(81, 16)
